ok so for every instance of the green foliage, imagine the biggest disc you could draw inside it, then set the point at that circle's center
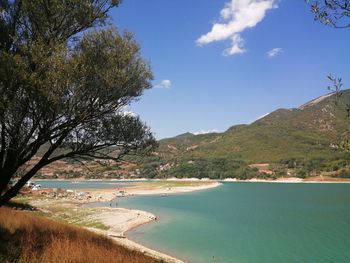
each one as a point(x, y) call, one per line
point(150, 170)
point(344, 174)
point(65, 80)
point(213, 168)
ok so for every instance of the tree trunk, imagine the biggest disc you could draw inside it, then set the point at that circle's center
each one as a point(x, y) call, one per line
point(13, 191)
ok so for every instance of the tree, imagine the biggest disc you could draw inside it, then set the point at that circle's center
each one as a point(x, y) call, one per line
point(334, 13)
point(65, 79)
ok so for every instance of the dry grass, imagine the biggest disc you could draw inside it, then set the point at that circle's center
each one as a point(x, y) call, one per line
point(29, 238)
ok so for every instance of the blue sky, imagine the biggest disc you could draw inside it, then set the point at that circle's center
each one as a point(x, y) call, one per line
point(201, 87)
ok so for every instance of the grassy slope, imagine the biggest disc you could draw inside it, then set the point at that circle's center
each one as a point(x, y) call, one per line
point(305, 133)
point(28, 238)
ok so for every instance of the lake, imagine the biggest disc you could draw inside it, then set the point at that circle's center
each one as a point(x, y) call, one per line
point(250, 222)
point(77, 184)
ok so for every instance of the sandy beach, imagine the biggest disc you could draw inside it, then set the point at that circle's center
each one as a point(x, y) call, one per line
point(121, 220)
point(197, 186)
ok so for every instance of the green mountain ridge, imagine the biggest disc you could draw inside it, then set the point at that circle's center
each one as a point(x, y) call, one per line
point(285, 139)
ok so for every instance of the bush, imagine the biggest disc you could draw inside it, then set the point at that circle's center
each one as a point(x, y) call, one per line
point(344, 174)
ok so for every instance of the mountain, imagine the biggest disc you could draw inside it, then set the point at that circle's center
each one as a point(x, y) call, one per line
point(299, 141)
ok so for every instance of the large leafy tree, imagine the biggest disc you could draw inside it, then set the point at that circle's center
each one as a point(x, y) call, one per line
point(65, 79)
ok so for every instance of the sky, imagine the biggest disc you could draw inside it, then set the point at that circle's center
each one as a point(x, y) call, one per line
point(226, 62)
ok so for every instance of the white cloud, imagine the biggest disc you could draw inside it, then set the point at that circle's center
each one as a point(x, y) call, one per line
point(164, 84)
point(237, 16)
point(205, 131)
point(274, 52)
point(237, 46)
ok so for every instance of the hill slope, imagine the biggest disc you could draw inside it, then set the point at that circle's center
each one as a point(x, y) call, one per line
point(302, 139)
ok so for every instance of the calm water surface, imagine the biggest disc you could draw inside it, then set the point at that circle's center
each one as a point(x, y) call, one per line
point(76, 184)
point(250, 222)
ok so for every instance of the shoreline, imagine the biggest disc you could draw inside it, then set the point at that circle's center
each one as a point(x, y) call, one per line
point(146, 218)
point(122, 239)
point(315, 179)
point(310, 180)
point(121, 221)
point(114, 222)
point(129, 243)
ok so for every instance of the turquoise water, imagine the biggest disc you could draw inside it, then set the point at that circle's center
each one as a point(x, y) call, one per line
point(250, 222)
point(76, 184)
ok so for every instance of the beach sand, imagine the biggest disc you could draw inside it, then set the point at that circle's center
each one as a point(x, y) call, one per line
point(154, 188)
point(121, 220)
